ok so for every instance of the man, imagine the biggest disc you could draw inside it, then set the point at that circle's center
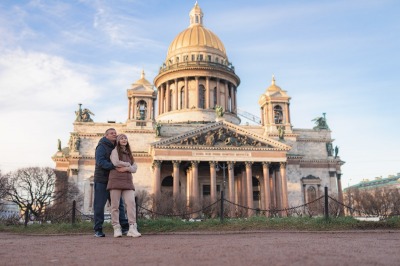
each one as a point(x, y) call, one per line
point(101, 172)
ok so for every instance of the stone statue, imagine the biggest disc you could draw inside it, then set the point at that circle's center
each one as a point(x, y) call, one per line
point(79, 113)
point(83, 115)
point(77, 143)
point(210, 139)
point(329, 148)
point(86, 115)
point(158, 129)
point(336, 151)
point(281, 132)
point(219, 111)
point(320, 122)
point(59, 145)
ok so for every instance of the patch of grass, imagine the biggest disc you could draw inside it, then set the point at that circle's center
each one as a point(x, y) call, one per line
point(163, 225)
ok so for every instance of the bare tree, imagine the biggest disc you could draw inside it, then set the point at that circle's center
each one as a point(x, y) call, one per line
point(4, 187)
point(377, 201)
point(32, 189)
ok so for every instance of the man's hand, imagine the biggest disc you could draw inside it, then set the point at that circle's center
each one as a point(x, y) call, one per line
point(122, 169)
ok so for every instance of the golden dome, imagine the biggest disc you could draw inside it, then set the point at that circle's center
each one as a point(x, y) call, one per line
point(196, 38)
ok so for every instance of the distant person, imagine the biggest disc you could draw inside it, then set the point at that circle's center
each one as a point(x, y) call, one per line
point(120, 184)
point(101, 173)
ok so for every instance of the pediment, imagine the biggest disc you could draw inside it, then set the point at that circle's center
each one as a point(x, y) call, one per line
point(221, 135)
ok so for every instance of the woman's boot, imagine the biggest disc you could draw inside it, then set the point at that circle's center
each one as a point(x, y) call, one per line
point(133, 232)
point(117, 231)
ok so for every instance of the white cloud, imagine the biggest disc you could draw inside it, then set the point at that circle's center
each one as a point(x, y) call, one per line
point(38, 96)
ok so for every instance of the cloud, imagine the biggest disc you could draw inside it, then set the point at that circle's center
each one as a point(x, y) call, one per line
point(38, 95)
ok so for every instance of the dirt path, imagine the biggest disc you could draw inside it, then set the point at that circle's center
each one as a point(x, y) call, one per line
point(250, 248)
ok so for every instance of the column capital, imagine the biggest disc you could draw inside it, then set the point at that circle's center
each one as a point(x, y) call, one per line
point(338, 175)
point(195, 163)
point(176, 163)
point(249, 164)
point(267, 164)
point(212, 163)
point(282, 165)
point(156, 164)
point(230, 165)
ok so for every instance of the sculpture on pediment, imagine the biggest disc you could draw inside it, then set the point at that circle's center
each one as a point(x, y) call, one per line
point(321, 122)
point(281, 132)
point(210, 139)
point(219, 111)
point(158, 129)
point(77, 143)
point(336, 151)
point(329, 148)
point(83, 115)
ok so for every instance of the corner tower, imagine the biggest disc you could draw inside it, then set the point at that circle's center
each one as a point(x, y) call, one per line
point(141, 98)
point(196, 77)
point(275, 111)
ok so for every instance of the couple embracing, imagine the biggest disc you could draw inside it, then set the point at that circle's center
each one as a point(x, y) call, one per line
point(113, 181)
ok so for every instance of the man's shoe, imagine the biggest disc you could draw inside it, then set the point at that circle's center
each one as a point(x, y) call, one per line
point(99, 234)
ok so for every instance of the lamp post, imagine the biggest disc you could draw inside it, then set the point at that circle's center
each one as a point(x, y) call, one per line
point(223, 167)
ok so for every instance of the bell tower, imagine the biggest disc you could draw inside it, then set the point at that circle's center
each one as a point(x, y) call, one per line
point(275, 111)
point(141, 98)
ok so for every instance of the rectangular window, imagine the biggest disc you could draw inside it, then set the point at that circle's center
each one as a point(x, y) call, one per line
point(209, 58)
point(193, 57)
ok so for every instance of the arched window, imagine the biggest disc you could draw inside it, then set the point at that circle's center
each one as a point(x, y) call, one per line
point(202, 93)
point(278, 114)
point(181, 97)
point(141, 110)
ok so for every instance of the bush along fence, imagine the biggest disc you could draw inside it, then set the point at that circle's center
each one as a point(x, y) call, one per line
point(223, 208)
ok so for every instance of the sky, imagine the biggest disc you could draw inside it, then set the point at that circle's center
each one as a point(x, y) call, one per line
point(341, 58)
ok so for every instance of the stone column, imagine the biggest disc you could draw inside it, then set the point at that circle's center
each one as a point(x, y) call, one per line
point(151, 109)
point(176, 179)
point(176, 95)
point(244, 188)
point(278, 189)
point(189, 193)
point(226, 96)
point(207, 106)
point(285, 203)
point(231, 184)
point(218, 93)
point(195, 184)
point(340, 192)
point(267, 189)
point(159, 99)
point(129, 108)
point(272, 184)
point(161, 111)
point(157, 179)
point(213, 186)
point(196, 97)
point(186, 94)
point(249, 184)
point(168, 102)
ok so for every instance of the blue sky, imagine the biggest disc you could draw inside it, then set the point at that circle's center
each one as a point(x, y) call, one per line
point(337, 57)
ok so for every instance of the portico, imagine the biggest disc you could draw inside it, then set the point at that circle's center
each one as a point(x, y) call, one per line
point(256, 167)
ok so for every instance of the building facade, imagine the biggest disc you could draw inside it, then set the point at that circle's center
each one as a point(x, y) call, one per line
point(186, 126)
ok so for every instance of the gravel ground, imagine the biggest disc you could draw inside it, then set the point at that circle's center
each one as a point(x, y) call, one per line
point(227, 248)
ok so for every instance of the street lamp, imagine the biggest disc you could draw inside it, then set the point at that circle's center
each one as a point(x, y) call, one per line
point(223, 167)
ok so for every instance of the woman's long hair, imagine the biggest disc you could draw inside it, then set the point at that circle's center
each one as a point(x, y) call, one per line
point(127, 150)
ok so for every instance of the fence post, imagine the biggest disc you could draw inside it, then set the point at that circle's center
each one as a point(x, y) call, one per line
point(326, 203)
point(137, 209)
point(73, 211)
point(222, 206)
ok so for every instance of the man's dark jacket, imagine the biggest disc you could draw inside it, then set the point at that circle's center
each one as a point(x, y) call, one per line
point(103, 162)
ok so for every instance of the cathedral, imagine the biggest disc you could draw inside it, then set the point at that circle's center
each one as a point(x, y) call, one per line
point(187, 140)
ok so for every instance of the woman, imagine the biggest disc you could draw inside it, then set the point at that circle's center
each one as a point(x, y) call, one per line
point(120, 184)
